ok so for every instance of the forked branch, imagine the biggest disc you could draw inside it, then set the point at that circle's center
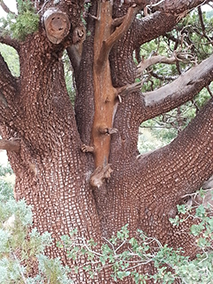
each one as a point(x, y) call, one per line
point(144, 64)
point(10, 145)
point(117, 34)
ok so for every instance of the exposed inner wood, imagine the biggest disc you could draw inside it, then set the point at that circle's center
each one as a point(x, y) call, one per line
point(106, 96)
point(104, 92)
point(57, 25)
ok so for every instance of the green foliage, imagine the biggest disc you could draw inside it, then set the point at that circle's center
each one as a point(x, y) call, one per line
point(23, 24)
point(11, 57)
point(6, 188)
point(125, 255)
point(5, 170)
point(21, 248)
point(192, 45)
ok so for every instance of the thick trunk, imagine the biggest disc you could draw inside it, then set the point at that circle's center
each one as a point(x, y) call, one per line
point(53, 174)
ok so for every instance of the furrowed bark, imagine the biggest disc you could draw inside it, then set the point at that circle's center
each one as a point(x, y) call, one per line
point(8, 92)
point(51, 171)
point(166, 15)
point(181, 168)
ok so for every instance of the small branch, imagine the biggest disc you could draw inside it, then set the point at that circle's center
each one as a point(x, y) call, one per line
point(10, 145)
point(87, 149)
point(5, 8)
point(127, 89)
point(162, 77)
point(154, 60)
point(117, 22)
point(202, 24)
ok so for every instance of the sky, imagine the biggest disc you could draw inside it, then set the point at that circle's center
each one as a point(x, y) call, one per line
point(11, 4)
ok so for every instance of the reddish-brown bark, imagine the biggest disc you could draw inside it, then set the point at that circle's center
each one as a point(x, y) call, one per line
point(52, 172)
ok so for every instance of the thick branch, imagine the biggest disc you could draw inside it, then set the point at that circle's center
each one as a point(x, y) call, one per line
point(10, 145)
point(8, 88)
point(179, 91)
point(167, 14)
point(6, 39)
point(189, 157)
point(57, 25)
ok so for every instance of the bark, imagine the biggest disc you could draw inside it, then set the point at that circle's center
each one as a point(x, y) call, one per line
point(55, 175)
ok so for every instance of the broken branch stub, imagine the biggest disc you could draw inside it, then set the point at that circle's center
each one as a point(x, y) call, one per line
point(57, 25)
point(10, 145)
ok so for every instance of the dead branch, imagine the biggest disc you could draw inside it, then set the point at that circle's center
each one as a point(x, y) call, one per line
point(57, 25)
point(202, 25)
point(154, 60)
point(10, 145)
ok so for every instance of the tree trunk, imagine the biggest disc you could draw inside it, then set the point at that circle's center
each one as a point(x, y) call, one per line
point(54, 175)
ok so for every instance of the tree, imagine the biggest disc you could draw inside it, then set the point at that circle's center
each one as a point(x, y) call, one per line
point(79, 166)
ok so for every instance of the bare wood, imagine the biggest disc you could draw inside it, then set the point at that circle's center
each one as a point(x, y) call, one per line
point(118, 33)
point(100, 174)
point(104, 92)
point(57, 25)
point(10, 145)
point(154, 60)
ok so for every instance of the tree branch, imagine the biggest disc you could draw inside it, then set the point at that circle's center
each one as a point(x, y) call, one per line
point(183, 89)
point(154, 60)
point(8, 88)
point(57, 25)
point(117, 34)
point(10, 145)
point(6, 39)
point(190, 155)
point(5, 7)
point(165, 17)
